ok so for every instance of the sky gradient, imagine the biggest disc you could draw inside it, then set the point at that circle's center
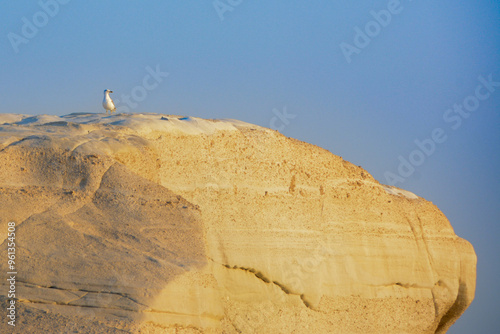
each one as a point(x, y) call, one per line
point(409, 90)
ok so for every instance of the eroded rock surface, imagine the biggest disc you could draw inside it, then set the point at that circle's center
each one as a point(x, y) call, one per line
point(152, 223)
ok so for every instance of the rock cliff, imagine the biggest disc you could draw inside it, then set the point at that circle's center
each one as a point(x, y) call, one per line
point(150, 223)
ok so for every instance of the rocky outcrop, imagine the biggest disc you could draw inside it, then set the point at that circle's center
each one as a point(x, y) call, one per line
point(152, 223)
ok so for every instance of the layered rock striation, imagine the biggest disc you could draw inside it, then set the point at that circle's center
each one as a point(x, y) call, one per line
point(150, 223)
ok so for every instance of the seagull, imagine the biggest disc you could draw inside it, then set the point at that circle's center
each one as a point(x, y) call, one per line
point(107, 103)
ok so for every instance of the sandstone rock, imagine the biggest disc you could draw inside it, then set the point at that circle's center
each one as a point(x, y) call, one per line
point(150, 223)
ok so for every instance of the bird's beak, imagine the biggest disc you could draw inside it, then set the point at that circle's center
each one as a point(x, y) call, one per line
point(111, 91)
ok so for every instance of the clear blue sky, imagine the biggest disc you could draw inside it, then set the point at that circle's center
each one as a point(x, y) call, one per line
point(364, 98)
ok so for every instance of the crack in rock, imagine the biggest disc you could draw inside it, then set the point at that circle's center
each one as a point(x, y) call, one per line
point(87, 291)
point(260, 276)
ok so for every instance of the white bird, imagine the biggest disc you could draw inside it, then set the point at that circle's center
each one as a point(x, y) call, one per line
point(108, 103)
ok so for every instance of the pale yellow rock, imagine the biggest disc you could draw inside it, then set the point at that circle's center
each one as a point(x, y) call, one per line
point(159, 224)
